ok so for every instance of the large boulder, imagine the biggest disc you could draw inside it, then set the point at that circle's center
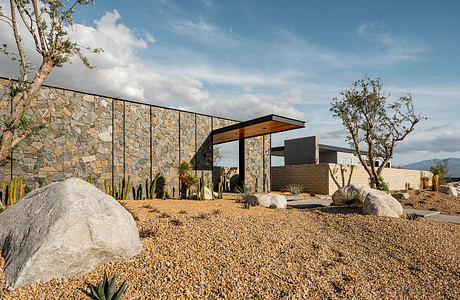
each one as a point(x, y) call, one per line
point(374, 202)
point(64, 229)
point(449, 190)
point(352, 195)
point(208, 194)
point(379, 203)
point(270, 199)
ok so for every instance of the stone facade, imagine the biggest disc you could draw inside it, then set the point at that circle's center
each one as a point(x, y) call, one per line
point(110, 139)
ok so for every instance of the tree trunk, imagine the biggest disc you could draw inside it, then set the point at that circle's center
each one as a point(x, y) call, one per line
point(23, 102)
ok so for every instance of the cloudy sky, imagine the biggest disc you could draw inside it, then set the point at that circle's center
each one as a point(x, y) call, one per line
point(242, 59)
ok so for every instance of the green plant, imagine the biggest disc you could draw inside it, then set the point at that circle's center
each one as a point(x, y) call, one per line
point(106, 290)
point(294, 189)
point(374, 123)
point(164, 194)
point(90, 179)
point(220, 190)
point(441, 170)
point(256, 185)
point(413, 217)
point(186, 178)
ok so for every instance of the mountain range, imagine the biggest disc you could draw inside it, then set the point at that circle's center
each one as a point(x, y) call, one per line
point(453, 165)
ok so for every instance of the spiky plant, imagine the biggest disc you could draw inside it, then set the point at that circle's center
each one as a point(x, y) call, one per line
point(107, 290)
point(294, 189)
point(413, 217)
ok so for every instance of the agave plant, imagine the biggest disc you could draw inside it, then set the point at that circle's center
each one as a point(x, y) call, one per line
point(413, 217)
point(106, 290)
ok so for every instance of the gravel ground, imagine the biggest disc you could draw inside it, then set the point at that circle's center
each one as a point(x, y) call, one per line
point(429, 200)
point(216, 249)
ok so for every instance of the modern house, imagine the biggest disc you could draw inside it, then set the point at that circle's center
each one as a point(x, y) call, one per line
point(307, 150)
point(111, 139)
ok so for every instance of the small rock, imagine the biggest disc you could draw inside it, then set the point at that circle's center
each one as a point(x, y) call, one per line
point(400, 196)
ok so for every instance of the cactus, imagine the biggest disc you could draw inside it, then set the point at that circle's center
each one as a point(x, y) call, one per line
point(220, 190)
point(164, 194)
point(256, 185)
point(147, 190)
point(202, 186)
point(7, 195)
point(134, 193)
point(139, 192)
point(124, 192)
point(20, 189)
point(153, 185)
point(435, 183)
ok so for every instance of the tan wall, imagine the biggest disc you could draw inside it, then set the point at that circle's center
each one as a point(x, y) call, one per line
point(313, 177)
point(396, 179)
point(319, 178)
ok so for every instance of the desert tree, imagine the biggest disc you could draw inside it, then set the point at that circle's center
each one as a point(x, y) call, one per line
point(375, 123)
point(46, 23)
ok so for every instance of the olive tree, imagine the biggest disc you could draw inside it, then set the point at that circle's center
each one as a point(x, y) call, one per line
point(374, 123)
point(45, 22)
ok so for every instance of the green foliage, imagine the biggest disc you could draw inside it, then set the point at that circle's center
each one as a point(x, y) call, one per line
point(371, 120)
point(246, 197)
point(413, 217)
point(442, 171)
point(106, 290)
point(294, 189)
point(187, 179)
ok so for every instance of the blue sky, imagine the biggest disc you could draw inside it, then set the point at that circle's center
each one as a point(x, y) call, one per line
point(243, 59)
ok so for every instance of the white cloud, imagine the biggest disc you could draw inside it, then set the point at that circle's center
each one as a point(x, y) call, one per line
point(207, 33)
point(249, 106)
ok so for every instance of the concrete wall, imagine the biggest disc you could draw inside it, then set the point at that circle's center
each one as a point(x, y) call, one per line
point(301, 151)
point(111, 138)
point(327, 178)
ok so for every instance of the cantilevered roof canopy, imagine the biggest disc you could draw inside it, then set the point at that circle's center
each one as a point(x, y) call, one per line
point(255, 127)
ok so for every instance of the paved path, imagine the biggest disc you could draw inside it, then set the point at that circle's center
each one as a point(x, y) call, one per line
point(433, 215)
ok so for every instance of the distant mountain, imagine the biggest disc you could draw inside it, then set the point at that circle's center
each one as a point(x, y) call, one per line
point(453, 164)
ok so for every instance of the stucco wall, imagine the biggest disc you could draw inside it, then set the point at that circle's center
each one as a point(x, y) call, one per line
point(112, 138)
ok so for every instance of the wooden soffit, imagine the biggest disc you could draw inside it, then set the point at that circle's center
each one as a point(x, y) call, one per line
point(255, 127)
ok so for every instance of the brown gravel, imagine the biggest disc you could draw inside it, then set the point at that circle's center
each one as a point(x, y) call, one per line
point(266, 253)
point(429, 200)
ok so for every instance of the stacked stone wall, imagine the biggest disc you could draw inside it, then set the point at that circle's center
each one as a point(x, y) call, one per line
point(110, 139)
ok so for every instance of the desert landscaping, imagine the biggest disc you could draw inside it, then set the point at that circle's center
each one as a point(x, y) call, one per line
point(215, 249)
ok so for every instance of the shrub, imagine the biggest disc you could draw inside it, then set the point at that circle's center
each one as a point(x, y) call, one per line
point(294, 189)
point(106, 290)
point(413, 217)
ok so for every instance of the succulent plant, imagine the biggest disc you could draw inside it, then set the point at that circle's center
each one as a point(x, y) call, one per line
point(106, 290)
point(413, 217)
point(164, 194)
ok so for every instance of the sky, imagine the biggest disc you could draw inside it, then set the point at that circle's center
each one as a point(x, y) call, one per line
point(244, 59)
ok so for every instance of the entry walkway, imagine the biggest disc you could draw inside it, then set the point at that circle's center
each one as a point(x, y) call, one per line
point(433, 215)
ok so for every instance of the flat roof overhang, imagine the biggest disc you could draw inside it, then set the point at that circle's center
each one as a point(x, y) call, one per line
point(255, 127)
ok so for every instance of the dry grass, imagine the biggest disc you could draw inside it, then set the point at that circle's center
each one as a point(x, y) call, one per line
point(265, 253)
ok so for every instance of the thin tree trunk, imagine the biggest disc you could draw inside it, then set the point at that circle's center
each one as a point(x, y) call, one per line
point(23, 102)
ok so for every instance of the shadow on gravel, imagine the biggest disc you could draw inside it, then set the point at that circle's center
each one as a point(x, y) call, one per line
point(344, 210)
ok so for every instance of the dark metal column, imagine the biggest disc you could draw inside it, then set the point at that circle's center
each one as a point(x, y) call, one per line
point(241, 157)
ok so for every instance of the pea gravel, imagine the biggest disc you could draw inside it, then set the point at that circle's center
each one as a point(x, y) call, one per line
point(218, 250)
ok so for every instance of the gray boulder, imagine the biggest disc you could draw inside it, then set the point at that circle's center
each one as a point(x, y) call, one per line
point(64, 229)
point(352, 195)
point(270, 199)
point(400, 196)
point(374, 202)
point(379, 203)
point(449, 190)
